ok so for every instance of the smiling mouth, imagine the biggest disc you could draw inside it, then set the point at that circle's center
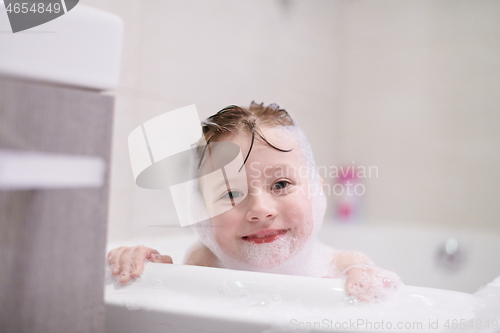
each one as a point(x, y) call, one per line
point(266, 236)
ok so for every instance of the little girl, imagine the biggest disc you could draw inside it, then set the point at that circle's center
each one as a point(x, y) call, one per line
point(271, 223)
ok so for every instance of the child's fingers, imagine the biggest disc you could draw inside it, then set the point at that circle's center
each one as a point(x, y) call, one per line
point(166, 259)
point(137, 258)
point(371, 283)
point(359, 283)
point(155, 256)
point(126, 263)
point(124, 276)
point(113, 260)
point(139, 255)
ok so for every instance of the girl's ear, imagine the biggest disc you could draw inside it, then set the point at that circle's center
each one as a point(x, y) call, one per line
point(322, 182)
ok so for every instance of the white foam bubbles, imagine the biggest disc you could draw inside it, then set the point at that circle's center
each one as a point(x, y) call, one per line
point(269, 255)
point(371, 283)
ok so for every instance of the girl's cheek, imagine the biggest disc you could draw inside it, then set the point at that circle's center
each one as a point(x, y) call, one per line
point(225, 218)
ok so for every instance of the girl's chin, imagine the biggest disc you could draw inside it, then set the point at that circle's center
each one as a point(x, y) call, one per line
point(261, 263)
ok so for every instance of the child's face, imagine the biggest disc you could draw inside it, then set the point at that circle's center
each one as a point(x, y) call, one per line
point(275, 219)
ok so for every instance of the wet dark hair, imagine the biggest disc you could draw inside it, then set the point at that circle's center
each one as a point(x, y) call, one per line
point(234, 119)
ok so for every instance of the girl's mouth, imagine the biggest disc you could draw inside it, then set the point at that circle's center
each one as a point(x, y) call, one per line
point(265, 236)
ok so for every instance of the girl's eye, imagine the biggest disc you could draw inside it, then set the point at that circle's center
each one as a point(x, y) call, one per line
point(232, 195)
point(280, 185)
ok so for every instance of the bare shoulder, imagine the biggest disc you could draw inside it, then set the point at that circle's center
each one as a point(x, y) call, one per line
point(200, 255)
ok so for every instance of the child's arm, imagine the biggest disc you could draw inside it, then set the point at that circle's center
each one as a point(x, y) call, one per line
point(128, 262)
point(342, 260)
point(364, 280)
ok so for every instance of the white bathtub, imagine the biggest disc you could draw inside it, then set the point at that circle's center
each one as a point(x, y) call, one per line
point(177, 298)
point(413, 253)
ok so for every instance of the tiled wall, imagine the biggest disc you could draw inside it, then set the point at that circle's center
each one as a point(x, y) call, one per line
point(409, 87)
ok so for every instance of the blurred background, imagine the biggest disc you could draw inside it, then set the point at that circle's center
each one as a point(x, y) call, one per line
point(411, 87)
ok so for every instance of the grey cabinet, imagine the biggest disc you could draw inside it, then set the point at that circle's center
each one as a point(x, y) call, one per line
point(52, 241)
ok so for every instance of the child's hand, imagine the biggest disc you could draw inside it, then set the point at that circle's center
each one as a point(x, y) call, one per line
point(370, 282)
point(128, 262)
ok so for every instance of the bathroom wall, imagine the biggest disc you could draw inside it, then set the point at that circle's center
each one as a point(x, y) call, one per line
point(419, 99)
point(408, 87)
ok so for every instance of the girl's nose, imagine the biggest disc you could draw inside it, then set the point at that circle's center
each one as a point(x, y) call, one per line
point(261, 208)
